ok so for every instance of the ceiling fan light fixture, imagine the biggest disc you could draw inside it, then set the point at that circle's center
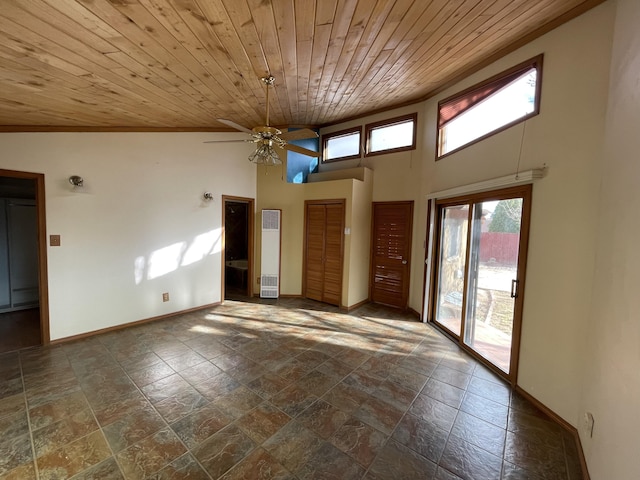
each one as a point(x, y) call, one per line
point(265, 154)
point(267, 136)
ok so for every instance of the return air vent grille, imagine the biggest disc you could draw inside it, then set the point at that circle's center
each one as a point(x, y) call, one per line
point(269, 281)
point(269, 286)
point(271, 220)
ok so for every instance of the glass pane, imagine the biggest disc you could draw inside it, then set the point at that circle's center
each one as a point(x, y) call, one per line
point(392, 136)
point(453, 253)
point(343, 146)
point(493, 266)
point(505, 106)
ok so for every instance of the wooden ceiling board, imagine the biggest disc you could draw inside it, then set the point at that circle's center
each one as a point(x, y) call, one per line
point(430, 24)
point(182, 64)
point(304, 27)
point(373, 54)
point(438, 37)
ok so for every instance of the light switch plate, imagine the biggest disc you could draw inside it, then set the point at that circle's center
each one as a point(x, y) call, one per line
point(54, 240)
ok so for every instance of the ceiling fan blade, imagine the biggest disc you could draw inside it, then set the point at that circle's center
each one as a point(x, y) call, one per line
point(235, 125)
point(228, 141)
point(302, 151)
point(298, 134)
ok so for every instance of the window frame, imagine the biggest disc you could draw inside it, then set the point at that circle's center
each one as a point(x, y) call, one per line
point(369, 127)
point(342, 133)
point(535, 62)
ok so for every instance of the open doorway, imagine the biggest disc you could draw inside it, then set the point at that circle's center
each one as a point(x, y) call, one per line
point(24, 319)
point(238, 221)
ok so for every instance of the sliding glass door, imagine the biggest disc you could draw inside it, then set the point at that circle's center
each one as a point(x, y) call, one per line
point(454, 223)
point(480, 246)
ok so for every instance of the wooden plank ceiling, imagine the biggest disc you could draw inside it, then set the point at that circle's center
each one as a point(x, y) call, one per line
point(181, 64)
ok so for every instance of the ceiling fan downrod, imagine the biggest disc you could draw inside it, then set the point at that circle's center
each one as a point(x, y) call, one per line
point(268, 81)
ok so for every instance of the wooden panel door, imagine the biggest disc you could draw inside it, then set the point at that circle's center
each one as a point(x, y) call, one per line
point(324, 248)
point(391, 252)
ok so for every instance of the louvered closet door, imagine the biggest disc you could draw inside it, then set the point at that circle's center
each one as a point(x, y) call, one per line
point(333, 254)
point(391, 255)
point(314, 265)
point(324, 251)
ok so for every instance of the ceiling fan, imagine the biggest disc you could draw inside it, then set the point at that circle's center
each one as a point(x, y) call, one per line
point(266, 137)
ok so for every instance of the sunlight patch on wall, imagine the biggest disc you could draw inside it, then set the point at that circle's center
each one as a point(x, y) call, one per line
point(203, 245)
point(165, 260)
point(168, 259)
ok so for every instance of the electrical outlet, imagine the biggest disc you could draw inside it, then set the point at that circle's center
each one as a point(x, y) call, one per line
point(165, 297)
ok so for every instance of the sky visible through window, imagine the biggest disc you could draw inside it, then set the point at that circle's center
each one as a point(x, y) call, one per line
point(514, 101)
point(392, 136)
point(343, 146)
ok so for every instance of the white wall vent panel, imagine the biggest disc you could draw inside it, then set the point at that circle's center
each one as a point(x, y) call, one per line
point(270, 256)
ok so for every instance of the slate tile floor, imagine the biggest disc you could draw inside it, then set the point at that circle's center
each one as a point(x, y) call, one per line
point(286, 390)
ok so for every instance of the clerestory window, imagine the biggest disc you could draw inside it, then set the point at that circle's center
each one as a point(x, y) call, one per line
point(489, 107)
point(342, 145)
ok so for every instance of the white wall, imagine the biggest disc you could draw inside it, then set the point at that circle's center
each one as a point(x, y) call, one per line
point(138, 228)
point(612, 362)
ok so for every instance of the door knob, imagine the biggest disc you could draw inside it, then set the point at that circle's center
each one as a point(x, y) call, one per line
point(404, 262)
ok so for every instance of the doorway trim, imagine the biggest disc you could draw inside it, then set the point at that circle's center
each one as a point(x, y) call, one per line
point(250, 243)
point(43, 276)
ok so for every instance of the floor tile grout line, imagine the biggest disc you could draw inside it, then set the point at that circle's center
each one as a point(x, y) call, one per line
point(101, 428)
point(26, 404)
point(106, 440)
point(458, 410)
point(234, 421)
point(210, 402)
point(93, 413)
point(445, 353)
point(167, 425)
point(389, 437)
point(319, 398)
point(406, 412)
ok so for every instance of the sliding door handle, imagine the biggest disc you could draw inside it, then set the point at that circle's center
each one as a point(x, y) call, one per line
point(514, 288)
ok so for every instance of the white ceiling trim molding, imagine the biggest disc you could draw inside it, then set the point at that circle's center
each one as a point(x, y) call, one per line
point(515, 179)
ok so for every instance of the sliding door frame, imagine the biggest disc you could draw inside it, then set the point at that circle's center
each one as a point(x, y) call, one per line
point(435, 207)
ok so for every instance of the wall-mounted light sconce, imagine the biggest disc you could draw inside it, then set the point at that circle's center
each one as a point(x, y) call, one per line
point(76, 180)
point(208, 196)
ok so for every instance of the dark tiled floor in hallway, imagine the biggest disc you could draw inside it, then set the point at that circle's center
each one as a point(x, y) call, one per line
point(265, 391)
point(19, 329)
